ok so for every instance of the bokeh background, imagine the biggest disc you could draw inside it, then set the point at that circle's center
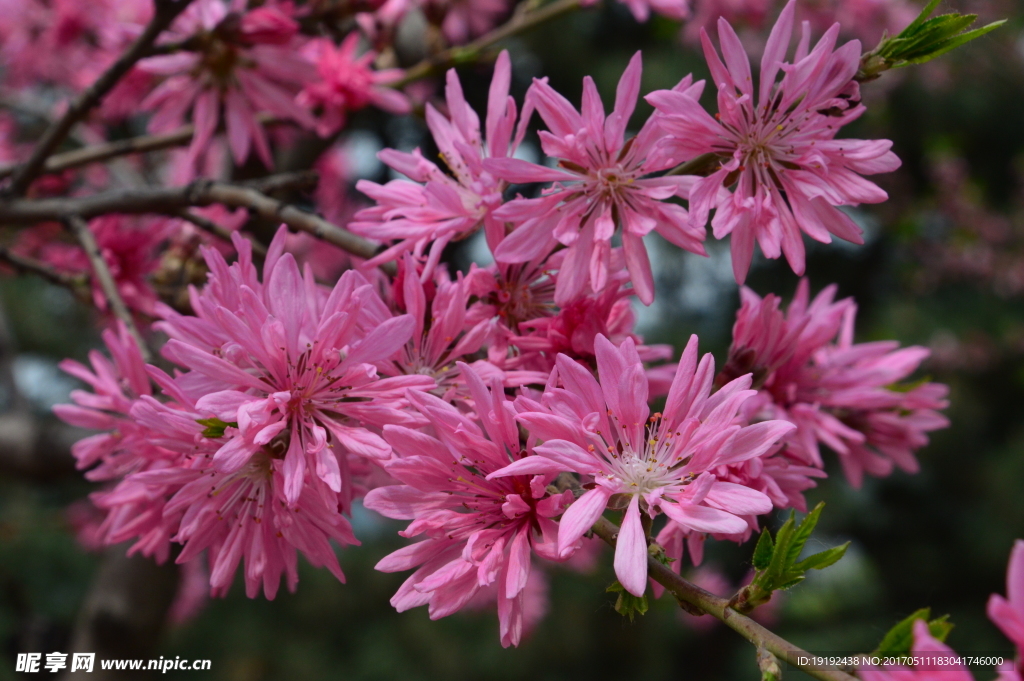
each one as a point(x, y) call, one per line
point(943, 267)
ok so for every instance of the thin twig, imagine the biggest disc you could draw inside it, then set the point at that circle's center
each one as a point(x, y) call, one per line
point(133, 145)
point(26, 265)
point(101, 271)
point(211, 227)
point(519, 23)
point(165, 13)
point(719, 608)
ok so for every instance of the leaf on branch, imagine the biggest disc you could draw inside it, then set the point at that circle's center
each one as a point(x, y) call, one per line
point(900, 638)
point(627, 604)
point(923, 40)
point(777, 561)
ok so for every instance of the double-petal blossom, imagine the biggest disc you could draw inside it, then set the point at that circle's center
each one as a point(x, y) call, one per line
point(600, 182)
point(663, 462)
point(479, 531)
point(778, 152)
point(438, 206)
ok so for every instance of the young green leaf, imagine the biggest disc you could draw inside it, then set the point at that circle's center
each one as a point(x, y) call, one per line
point(764, 550)
point(900, 639)
point(924, 39)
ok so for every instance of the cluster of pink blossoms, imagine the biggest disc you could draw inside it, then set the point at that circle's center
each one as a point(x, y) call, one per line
point(502, 410)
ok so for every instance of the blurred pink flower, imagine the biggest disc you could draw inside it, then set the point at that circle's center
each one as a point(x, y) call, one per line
point(1008, 613)
point(846, 395)
point(244, 65)
point(346, 83)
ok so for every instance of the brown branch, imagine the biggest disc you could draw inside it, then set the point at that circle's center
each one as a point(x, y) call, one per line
point(109, 150)
point(166, 11)
point(211, 227)
point(717, 607)
point(101, 271)
point(26, 265)
point(519, 23)
point(171, 200)
point(125, 610)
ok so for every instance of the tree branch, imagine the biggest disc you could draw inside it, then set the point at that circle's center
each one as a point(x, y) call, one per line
point(171, 200)
point(520, 22)
point(25, 265)
point(125, 610)
point(211, 227)
point(719, 608)
point(132, 145)
point(166, 12)
point(101, 271)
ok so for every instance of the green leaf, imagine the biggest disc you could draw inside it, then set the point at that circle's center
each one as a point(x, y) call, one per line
point(923, 40)
point(900, 639)
point(776, 562)
point(822, 560)
point(929, 8)
point(764, 550)
point(627, 604)
point(214, 427)
point(957, 41)
point(803, 533)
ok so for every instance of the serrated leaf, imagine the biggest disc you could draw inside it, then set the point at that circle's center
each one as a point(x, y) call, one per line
point(928, 9)
point(790, 583)
point(627, 604)
point(764, 550)
point(957, 41)
point(822, 560)
point(802, 533)
point(940, 627)
point(900, 639)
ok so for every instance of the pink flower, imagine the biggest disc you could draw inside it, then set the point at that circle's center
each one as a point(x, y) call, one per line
point(441, 335)
point(780, 155)
point(462, 20)
point(749, 13)
point(129, 247)
point(846, 395)
point(243, 67)
point(116, 384)
point(347, 83)
point(599, 183)
point(641, 9)
point(575, 328)
point(236, 515)
point(661, 462)
point(479, 530)
point(439, 206)
point(927, 646)
point(288, 366)
point(1008, 613)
